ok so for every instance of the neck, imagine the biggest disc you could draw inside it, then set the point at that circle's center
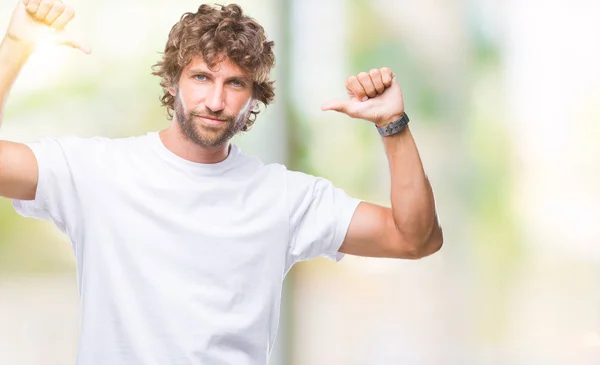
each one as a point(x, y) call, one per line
point(176, 141)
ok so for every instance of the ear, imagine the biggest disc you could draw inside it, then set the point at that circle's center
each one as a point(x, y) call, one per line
point(172, 91)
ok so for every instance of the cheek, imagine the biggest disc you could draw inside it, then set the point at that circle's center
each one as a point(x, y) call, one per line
point(242, 104)
point(192, 98)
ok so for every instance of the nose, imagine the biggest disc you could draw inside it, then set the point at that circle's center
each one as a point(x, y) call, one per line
point(215, 98)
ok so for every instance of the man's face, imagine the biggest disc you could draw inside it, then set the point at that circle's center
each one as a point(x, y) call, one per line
point(212, 106)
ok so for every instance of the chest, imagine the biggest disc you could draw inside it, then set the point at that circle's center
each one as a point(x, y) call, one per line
point(213, 232)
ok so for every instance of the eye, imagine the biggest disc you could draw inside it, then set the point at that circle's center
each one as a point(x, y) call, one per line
point(200, 77)
point(237, 83)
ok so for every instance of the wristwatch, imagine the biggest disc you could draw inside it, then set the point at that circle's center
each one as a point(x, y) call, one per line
point(394, 127)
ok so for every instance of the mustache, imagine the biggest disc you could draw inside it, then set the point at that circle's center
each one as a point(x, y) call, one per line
point(212, 115)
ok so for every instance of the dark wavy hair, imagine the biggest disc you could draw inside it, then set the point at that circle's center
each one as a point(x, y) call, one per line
point(215, 33)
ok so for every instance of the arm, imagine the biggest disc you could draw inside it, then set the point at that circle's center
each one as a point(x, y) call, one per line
point(410, 229)
point(18, 165)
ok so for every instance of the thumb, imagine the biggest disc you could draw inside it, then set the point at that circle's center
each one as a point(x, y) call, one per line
point(64, 38)
point(341, 106)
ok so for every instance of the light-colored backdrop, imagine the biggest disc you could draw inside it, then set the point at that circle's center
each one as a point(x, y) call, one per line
point(504, 99)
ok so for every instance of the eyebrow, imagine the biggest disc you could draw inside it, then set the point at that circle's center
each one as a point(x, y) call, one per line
point(195, 71)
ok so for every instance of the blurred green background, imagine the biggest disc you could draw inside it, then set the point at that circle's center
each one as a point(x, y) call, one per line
point(504, 100)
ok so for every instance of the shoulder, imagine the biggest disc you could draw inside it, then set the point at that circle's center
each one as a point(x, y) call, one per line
point(52, 149)
point(83, 143)
point(116, 145)
point(302, 182)
point(75, 150)
point(132, 142)
point(253, 165)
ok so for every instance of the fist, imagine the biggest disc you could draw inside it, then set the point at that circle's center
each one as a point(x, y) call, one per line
point(375, 96)
point(34, 19)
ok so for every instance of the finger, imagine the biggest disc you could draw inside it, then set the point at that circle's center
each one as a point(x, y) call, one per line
point(375, 75)
point(55, 12)
point(367, 84)
point(336, 105)
point(43, 9)
point(32, 6)
point(67, 15)
point(66, 39)
point(80, 46)
point(356, 89)
point(386, 76)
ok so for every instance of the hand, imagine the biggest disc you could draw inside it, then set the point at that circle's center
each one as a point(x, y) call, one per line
point(34, 19)
point(375, 96)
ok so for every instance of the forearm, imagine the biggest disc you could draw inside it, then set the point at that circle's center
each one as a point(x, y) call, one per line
point(13, 56)
point(413, 204)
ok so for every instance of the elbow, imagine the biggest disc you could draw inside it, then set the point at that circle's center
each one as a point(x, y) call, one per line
point(427, 246)
point(434, 242)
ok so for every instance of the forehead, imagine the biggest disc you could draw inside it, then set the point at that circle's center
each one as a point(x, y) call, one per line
point(225, 68)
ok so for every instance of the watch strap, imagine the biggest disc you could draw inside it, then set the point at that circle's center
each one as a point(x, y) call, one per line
point(394, 127)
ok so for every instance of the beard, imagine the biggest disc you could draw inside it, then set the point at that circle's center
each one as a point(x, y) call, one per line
point(207, 135)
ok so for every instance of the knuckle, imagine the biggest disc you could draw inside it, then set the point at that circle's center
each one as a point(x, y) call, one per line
point(374, 71)
point(32, 6)
point(362, 75)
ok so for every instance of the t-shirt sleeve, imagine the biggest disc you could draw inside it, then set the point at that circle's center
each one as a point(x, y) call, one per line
point(56, 197)
point(320, 215)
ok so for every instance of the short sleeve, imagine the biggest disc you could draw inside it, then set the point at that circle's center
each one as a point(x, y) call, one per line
point(320, 215)
point(56, 197)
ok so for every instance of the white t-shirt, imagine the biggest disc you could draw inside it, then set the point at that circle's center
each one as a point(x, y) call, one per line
point(179, 262)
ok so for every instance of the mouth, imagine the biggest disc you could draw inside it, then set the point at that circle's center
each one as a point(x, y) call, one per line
point(212, 121)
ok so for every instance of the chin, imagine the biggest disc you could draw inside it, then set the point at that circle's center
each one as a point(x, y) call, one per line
point(211, 139)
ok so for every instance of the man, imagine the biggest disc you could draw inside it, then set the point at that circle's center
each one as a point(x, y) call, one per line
point(181, 241)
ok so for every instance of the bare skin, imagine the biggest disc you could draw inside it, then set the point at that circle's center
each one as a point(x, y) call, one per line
point(219, 101)
point(30, 20)
point(410, 229)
